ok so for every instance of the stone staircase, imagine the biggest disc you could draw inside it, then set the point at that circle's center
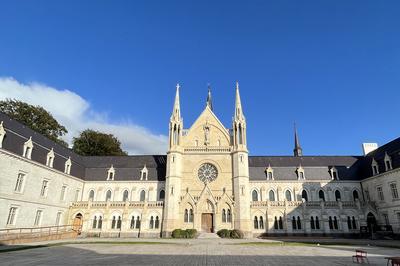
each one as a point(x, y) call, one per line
point(204, 235)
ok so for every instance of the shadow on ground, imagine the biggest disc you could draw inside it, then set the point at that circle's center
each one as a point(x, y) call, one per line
point(103, 254)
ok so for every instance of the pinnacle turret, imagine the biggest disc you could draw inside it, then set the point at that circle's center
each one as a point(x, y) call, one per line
point(176, 112)
point(238, 105)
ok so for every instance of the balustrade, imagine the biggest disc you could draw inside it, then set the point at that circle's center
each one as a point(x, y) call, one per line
point(307, 204)
point(117, 204)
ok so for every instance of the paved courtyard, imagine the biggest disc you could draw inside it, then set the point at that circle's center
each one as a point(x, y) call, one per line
point(193, 252)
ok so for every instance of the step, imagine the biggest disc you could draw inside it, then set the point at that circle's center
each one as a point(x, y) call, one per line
point(208, 235)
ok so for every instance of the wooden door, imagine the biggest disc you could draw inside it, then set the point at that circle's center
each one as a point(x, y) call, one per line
point(207, 222)
point(77, 223)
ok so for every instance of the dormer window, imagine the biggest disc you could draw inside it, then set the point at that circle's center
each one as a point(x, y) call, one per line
point(50, 158)
point(144, 173)
point(269, 173)
point(334, 173)
point(2, 134)
point(300, 173)
point(28, 146)
point(67, 168)
point(375, 169)
point(111, 173)
point(388, 162)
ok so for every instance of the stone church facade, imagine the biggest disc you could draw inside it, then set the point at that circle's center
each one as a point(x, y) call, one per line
point(206, 181)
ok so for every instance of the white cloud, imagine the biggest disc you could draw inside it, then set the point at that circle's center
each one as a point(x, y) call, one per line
point(76, 114)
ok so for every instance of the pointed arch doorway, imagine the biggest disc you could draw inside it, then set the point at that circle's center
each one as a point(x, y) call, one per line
point(207, 218)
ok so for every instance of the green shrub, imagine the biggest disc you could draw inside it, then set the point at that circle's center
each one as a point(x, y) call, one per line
point(224, 233)
point(191, 233)
point(177, 233)
point(235, 233)
point(188, 233)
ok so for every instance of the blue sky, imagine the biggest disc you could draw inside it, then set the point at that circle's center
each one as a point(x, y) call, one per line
point(331, 66)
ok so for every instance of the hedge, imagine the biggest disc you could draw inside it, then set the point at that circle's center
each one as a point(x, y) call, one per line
point(225, 233)
point(188, 233)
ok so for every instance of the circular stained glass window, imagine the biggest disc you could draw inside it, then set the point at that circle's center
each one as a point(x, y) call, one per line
point(207, 173)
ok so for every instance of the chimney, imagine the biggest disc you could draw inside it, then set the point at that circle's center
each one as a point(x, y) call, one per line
point(369, 147)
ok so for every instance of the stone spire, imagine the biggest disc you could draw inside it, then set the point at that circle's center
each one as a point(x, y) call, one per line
point(239, 123)
point(238, 105)
point(209, 100)
point(297, 151)
point(176, 112)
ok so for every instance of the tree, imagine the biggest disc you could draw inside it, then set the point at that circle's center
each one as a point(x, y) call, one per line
point(95, 143)
point(34, 117)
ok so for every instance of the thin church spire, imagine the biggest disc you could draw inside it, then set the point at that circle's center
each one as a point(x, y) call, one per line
point(297, 151)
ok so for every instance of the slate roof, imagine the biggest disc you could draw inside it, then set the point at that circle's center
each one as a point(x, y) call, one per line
point(94, 168)
point(126, 167)
point(392, 149)
point(315, 167)
point(17, 134)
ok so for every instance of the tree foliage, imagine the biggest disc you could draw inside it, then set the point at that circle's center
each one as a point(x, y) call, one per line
point(34, 117)
point(95, 143)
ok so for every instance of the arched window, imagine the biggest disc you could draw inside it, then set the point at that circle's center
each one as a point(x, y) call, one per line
point(294, 225)
point(223, 216)
point(157, 223)
point(113, 222)
point(304, 195)
point(337, 195)
point(119, 222)
point(276, 223)
point(186, 216)
point(271, 195)
point(330, 223)
point(335, 223)
point(151, 225)
point(298, 223)
point(240, 134)
point(288, 195)
point(100, 223)
point(312, 223)
point(229, 216)
point(95, 222)
point(108, 195)
point(355, 195)
point(301, 175)
point(280, 223)
point(321, 195)
point(125, 196)
point(254, 195)
point(137, 222)
point(353, 222)
point(349, 222)
point(133, 222)
point(161, 195)
point(316, 223)
point(91, 195)
point(255, 222)
point(190, 216)
point(261, 221)
point(142, 195)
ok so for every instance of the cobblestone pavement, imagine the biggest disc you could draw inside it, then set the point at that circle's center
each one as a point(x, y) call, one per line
point(192, 252)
